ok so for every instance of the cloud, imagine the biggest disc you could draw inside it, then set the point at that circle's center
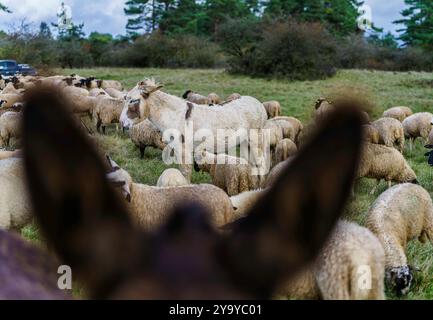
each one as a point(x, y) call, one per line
point(385, 12)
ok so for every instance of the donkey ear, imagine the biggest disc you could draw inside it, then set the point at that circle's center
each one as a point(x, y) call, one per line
point(289, 226)
point(79, 214)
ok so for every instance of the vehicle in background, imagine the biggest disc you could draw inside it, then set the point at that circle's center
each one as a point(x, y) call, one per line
point(11, 68)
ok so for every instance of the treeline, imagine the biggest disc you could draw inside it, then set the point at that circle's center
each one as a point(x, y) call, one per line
point(294, 39)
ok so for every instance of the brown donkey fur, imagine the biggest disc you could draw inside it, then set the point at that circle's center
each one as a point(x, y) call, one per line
point(87, 225)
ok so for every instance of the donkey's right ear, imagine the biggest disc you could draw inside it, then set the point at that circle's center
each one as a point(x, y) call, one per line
point(288, 227)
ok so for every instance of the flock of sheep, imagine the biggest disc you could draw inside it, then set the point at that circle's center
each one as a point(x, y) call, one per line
point(402, 213)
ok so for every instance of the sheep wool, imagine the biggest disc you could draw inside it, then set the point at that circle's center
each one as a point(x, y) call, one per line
point(296, 124)
point(15, 208)
point(400, 214)
point(273, 109)
point(151, 206)
point(351, 266)
point(146, 134)
point(289, 131)
point(196, 98)
point(370, 134)
point(10, 127)
point(285, 149)
point(10, 99)
point(243, 202)
point(382, 162)
point(172, 178)
point(391, 132)
point(234, 96)
point(418, 125)
point(107, 110)
point(116, 94)
point(399, 113)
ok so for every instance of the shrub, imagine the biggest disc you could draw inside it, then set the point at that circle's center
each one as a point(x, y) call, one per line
point(293, 50)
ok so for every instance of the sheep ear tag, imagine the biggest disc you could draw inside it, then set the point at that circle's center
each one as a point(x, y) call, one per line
point(72, 199)
point(289, 226)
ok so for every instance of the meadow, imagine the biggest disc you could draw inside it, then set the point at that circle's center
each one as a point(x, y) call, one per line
point(383, 89)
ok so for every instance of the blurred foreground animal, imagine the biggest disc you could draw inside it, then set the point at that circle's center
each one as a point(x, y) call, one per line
point(87, 225)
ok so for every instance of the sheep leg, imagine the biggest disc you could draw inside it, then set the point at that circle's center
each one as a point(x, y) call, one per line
point(142, 150)
point(103, 129)
point(98, 126)
point(389, 184)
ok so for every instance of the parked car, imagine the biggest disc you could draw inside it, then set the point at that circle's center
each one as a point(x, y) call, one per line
point(11, 67)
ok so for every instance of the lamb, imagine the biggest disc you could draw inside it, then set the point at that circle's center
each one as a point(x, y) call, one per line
point(273, 109)
point(214, 99)
point(196, 98)
point(400, 214)
point(391, 132)
point(351, 266)
point(15, 209)
point(399, 113)
point(146, 134)
point(417, 125)
point(150, 206)
point(10, 127)
point(114, 93)
point(97, 92)
point(107, 110)
point(285, 149)
point(233, 175)
point(172, 178)
point(234, 96)
point(10, 98)
point(371, 134)
point(382, 162)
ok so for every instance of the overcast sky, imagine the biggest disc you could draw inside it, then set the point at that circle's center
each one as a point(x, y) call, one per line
point(108, 16)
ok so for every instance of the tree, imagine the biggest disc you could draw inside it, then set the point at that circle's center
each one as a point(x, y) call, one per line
point(184, 17)
point(341, 16)
point(418, 22)
point(45, 31)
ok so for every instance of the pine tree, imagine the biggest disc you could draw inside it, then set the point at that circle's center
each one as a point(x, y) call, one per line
point(418, 22)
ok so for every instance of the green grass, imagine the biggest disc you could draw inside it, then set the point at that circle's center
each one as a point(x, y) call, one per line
point(385, 89)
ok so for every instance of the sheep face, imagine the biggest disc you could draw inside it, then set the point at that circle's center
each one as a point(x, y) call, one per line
point(120, 179)
point(2, 102)
point(400, 279)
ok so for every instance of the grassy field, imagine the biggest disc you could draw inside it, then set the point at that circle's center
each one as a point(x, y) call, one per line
point(384, 89)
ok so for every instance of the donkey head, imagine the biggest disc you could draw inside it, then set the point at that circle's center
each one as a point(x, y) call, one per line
point(87, 224)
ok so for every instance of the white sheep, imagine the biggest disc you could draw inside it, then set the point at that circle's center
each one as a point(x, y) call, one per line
point(110, 84)
point(107, 110)
point(399, 113)
point(351, 266)
point(151, 206)
point(382, 162)
point(146, 134)
point(233, 175)
point(172, 178)
point(10, 127)
point(400, 214)
point(273, 109)
point(15, 208)
point(391, 132)
point(417, 125)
